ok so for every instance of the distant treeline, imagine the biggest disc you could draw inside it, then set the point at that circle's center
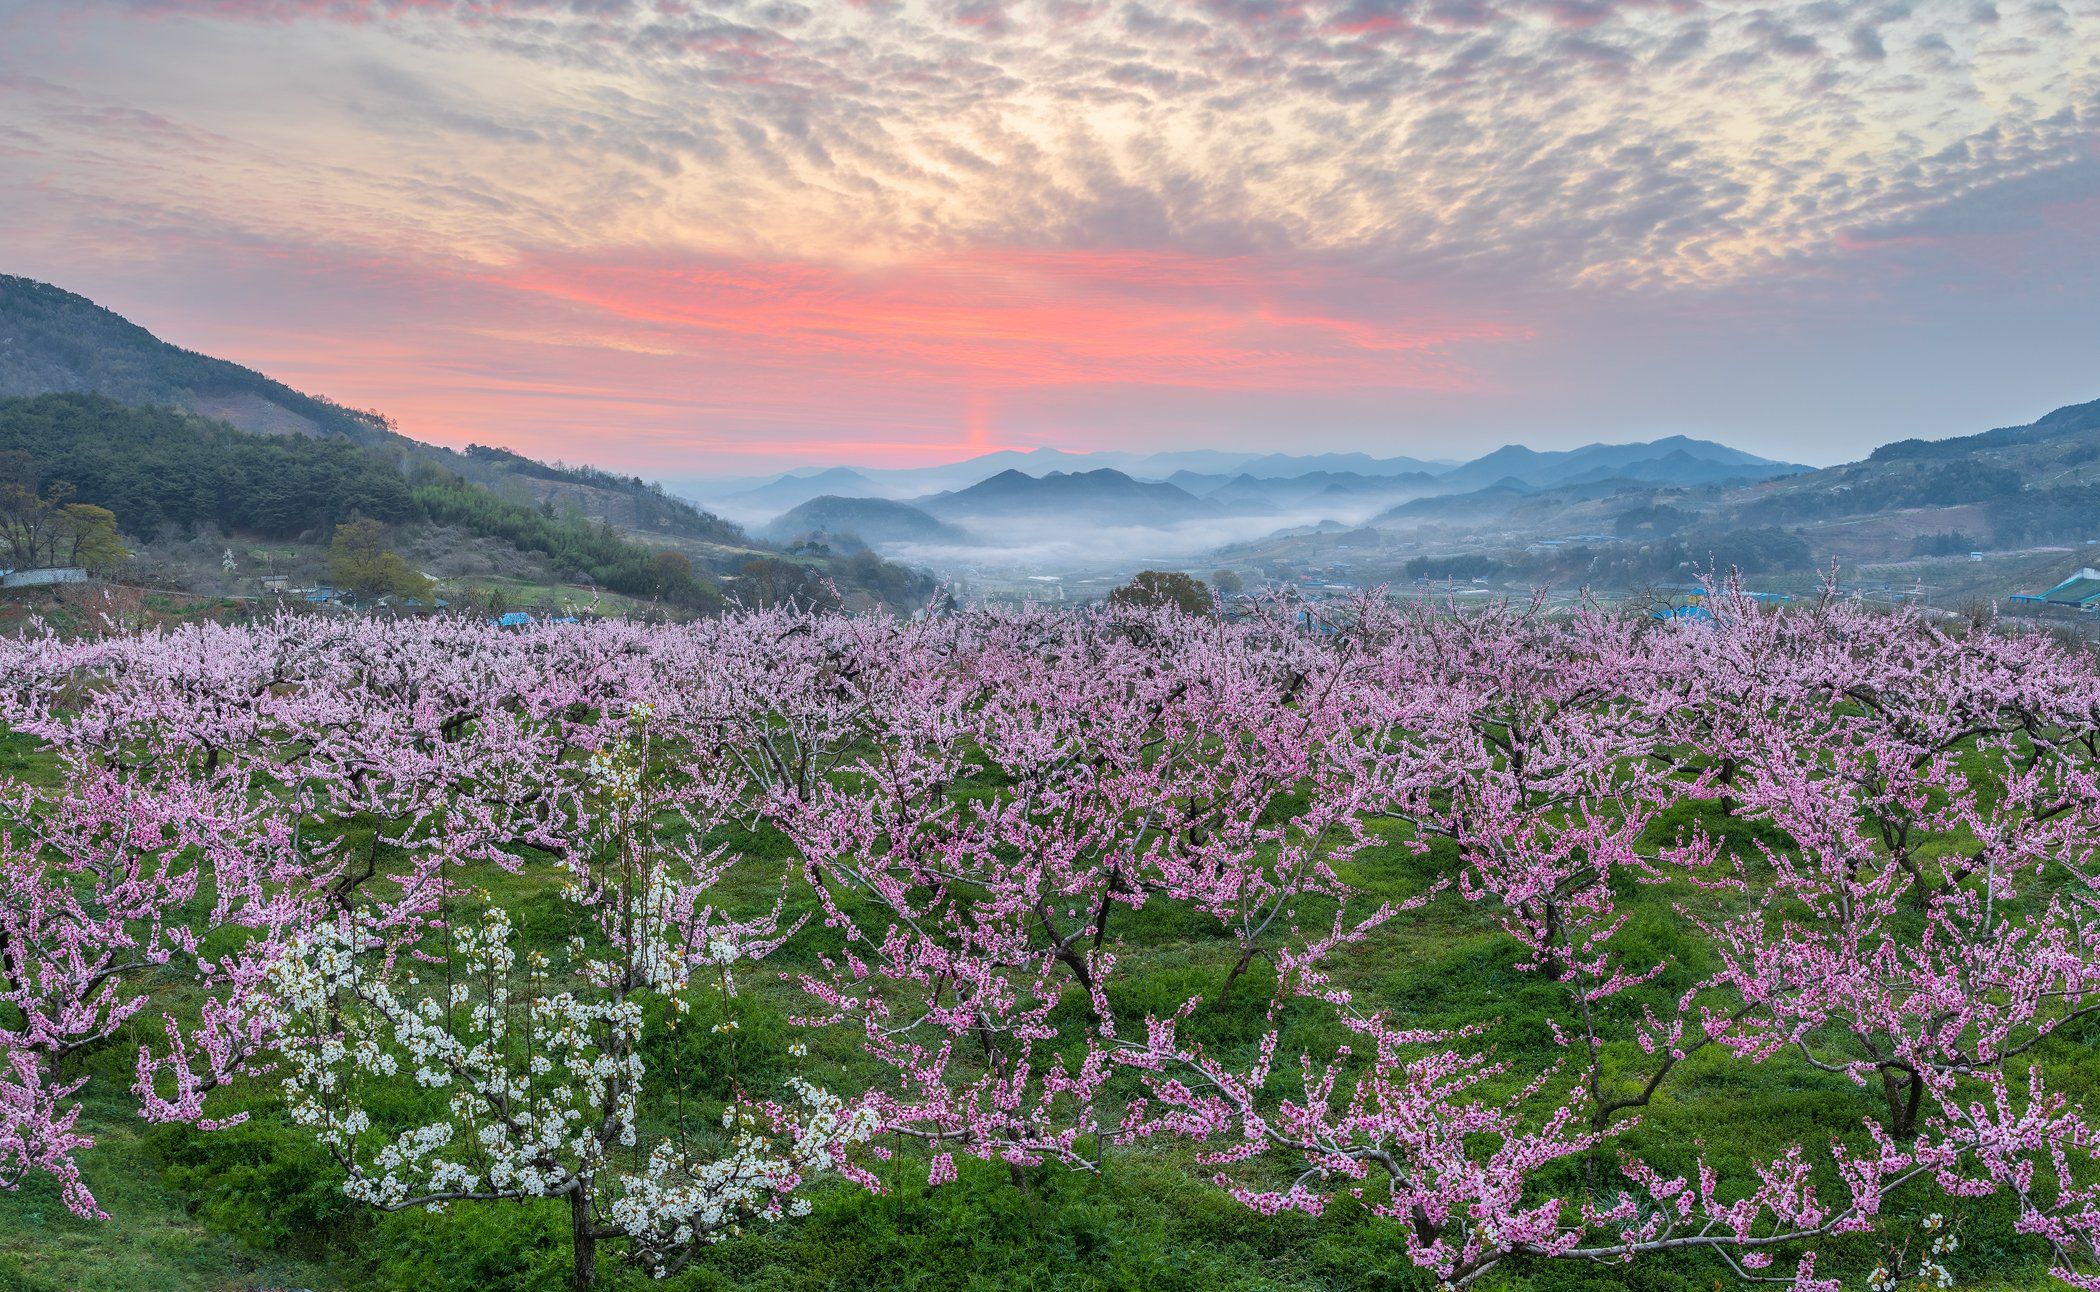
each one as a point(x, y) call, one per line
point(653, 508)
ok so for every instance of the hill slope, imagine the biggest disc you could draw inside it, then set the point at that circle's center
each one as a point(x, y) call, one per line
point(161, 468)
point(1102, 496)
point(53, 341)
point(173, 440)
point(871, 520)
point(2034, 483)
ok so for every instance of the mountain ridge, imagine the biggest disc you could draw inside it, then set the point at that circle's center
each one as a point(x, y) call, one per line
point(1103, 494)
point(1677, 459)
point(870, 520)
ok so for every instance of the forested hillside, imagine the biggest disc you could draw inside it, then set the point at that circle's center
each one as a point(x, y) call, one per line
point(2034, 483)
point(160, 466)
point(54, 342)
point(157, 467)
point(177, 443)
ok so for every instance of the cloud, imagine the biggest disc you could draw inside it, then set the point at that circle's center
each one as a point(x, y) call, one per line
point(888, 206)
point(768, 126)
point(994, 319)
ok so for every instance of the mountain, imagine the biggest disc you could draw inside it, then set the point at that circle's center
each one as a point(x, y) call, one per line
point(1677, 467)
point(53, 341)
point(1496, 500)
point(793, 490)
point(2017, 484)
point(1198, 483)
point(1509, 461)
point(190, 450)
point(876, 521)
point(1099, 497)
point(2068, 422)
point(1675, 459)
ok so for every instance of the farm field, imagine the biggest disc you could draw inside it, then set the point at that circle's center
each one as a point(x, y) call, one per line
point(1106, 949)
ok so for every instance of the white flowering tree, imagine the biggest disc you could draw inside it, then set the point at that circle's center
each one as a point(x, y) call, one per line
point(531, 1069)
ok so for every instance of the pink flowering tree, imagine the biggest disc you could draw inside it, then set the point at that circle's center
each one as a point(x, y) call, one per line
point(990, 814)
point(109, 882)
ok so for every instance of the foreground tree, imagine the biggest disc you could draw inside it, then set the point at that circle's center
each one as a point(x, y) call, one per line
point(534, 1068)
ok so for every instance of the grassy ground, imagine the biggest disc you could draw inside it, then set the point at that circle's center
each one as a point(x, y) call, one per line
point(259, 1207)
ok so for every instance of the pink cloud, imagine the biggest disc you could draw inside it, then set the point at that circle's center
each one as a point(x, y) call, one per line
point(998, 318)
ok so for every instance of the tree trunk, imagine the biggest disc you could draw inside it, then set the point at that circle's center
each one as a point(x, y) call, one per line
point(583, 1242)
point(1246, 961)
point(1555, 968)
point(1904, 1092)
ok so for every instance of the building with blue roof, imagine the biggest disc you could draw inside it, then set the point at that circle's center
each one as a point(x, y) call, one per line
point(1684, 614)
point(2080, 592)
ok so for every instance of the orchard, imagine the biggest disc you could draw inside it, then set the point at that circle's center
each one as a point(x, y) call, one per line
point(1493, 947)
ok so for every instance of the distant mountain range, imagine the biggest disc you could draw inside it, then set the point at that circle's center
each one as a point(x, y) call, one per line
point(1019, 493)
point(1353, 485)
point(2026, 498)
point(752, 499)
point(2026, 484)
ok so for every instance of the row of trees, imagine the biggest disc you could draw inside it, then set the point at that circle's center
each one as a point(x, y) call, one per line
point(991, 816)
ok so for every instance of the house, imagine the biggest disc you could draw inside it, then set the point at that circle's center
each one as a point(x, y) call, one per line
point(2081, 590)
point(275, 585)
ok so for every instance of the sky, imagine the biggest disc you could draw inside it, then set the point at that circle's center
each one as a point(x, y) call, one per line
point(693, 237)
